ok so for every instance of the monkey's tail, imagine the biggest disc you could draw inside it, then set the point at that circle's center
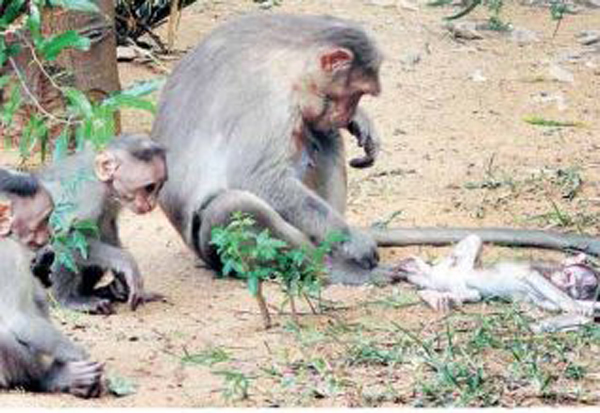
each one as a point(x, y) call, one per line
point(398, 237)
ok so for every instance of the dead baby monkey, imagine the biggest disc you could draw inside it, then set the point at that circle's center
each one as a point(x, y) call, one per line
point(34, 355)
point(458, 278)
point(130, 173)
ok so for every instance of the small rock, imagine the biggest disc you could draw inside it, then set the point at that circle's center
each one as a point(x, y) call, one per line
point(382, 3)
point(410, 60)
point(589, 37)
point(126, 54)
point(408, 5)
point(477, 76)
point(524, 36)
point(545, 97)
point(464, 30)
point(561, 74)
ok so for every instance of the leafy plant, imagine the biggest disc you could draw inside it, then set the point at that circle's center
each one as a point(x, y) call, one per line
point(540, 121)
point(258, 257)
point(120, 386)
point(236, 384)
point(78, 122)
point(208, 357)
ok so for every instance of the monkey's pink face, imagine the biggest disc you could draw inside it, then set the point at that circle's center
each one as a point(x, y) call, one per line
point(339, 100)
point(577, 280)
point(137, 184)
point(30, 219)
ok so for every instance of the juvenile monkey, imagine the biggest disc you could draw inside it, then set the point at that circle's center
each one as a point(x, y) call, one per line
point(265, 98)
point(459, 278)
point(130, 172)
point(34, 355)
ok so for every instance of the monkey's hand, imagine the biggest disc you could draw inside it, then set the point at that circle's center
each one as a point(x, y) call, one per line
point(361, 249)
point(41, 266)
point(362, 128)
point(120, 262)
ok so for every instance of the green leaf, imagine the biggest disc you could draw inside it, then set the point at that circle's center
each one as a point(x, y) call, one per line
point(13, 10)
point(34, 23)
point(87, 227)
point(78, 102)
point(79, 5)
point(253, 285)
point(61, 146)
point(11, 107)
point(143, 88)
point(121, 386)
point(50, 48)
point(4, 80)
point(35, 131)
point(130, 101)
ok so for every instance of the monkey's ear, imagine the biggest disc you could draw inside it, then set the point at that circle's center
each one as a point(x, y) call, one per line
point(336, 59)
point(5, 218)
point(105, 165)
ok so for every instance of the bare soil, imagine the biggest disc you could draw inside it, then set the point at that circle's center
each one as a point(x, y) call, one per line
point(441, 131)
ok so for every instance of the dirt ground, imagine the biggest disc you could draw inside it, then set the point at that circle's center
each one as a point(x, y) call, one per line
point(456, 151)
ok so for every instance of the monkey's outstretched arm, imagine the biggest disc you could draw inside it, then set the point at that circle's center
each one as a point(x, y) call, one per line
point(398, 237)
point(109, 257)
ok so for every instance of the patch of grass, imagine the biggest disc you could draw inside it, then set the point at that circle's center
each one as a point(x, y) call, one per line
point(560, 218)
point(120, 386)
point(540, 121)
point(208, 357)
point(235, 384)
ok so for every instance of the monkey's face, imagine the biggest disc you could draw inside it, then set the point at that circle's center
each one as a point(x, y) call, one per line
point(341, 98)
point(30, 219)
point(137, 183)
point(578, 280)
point(333, 92)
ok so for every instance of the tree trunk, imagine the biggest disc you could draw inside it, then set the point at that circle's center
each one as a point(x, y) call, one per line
point(94, 71)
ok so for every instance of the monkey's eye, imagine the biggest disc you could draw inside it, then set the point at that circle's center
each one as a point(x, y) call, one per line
point(150, 188)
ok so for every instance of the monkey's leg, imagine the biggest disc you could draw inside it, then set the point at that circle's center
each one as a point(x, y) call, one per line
point(118, 260)
point(67, 289)
point(398, 237)
point(19, 366)
point(437, 300)
point(41, 336)
point(118, 291)
point(219, 211)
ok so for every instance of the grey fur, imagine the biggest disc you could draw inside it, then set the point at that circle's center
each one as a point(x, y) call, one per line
point(95, 201)
point(34, 355)
point(18, 184)
point(227, 116)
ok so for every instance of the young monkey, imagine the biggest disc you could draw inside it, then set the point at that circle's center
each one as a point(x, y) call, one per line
point(34, 355)
point(458, 278)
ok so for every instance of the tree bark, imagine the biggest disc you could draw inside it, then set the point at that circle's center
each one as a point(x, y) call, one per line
point(94, 71)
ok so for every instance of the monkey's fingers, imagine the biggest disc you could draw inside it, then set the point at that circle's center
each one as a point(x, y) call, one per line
point(362, 162)
point(135, 285)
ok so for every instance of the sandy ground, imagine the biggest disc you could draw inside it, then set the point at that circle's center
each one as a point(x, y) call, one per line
point(441, 130)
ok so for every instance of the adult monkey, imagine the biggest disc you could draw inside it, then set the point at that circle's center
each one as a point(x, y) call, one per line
point(34, 355)
point(129, 172)
point(266, 137)
point(251, 120)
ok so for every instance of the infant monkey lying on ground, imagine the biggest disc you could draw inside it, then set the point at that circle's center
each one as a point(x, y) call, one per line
point(569, 286)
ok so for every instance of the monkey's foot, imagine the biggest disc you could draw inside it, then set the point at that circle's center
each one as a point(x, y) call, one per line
point(90, 305)
point(439, 301)
point(79, 378)
point(564, 322)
